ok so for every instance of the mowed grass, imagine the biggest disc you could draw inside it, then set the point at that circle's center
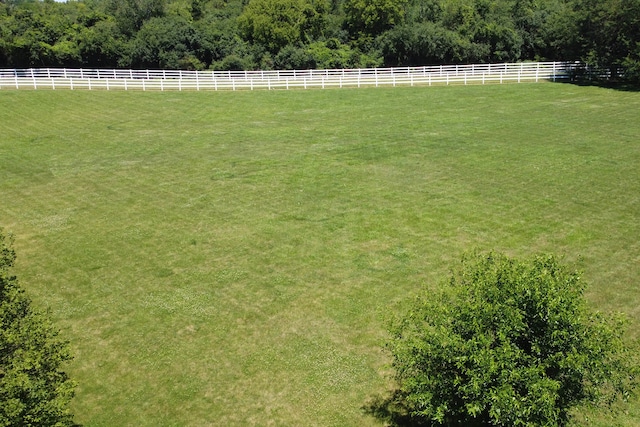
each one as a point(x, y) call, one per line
point(233, 258)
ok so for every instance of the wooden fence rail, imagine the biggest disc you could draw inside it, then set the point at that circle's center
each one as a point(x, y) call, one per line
point(120, 79)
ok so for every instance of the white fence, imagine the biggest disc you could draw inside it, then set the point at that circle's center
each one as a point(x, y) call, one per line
point(104, 79)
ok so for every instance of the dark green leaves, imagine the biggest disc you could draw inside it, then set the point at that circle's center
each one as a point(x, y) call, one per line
point(34, 391)
point(507, 342)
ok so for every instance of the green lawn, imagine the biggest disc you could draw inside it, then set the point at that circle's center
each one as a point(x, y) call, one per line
point(232, 258)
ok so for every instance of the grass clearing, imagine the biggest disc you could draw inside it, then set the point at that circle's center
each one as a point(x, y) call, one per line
point(232, 258)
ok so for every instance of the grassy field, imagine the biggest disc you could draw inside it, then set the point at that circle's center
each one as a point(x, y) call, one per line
point(233, 258)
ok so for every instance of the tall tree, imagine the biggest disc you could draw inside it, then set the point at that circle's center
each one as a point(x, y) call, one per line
point(131, 14)
point(167, 42)
point(609, 33)
point(373, 17)
point(275, 24)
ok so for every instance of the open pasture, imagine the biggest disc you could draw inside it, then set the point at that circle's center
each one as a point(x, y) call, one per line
point(233, 258)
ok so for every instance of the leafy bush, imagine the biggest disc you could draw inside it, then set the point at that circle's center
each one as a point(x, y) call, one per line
point(506, 342)
point(34, 391)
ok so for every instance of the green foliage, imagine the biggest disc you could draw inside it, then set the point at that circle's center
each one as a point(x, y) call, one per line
point(372, 17)
point(102, 45)
point(166, 42)
point(131, 14)
point(608, 34)
point(291, 57)
point(277, 23)
point(333, 54)
point(34, 391)
point(545, 27)
point(507, 342)
point(425, 43)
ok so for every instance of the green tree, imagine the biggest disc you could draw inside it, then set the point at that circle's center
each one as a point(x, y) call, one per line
point(219, 37)
point(101, 45)
point(166, 42)
point(333, 54)
point(373, 17)
point(34, 391)
point(488, 26)
point(507, 342)
point(544, 26)
point(608, 34)
point(427, 43)
point(131, 14)
point(275, 24)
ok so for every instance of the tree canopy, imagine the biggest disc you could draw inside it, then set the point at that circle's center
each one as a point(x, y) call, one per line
point(507, 342)
point(254, 34)
point(34, 390)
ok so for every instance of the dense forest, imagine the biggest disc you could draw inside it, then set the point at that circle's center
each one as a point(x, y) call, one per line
point(278, 34)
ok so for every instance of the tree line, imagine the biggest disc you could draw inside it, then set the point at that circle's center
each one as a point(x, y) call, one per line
point(300, 34)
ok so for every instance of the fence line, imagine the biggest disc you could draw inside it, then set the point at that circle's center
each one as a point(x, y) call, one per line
point(121, 79)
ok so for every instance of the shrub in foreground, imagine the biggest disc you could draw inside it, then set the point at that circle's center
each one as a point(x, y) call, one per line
point(505, 343)
point(34, 391)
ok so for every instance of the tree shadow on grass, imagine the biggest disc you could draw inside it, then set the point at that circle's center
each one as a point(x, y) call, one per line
point(390, 409)
point(605, 84)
